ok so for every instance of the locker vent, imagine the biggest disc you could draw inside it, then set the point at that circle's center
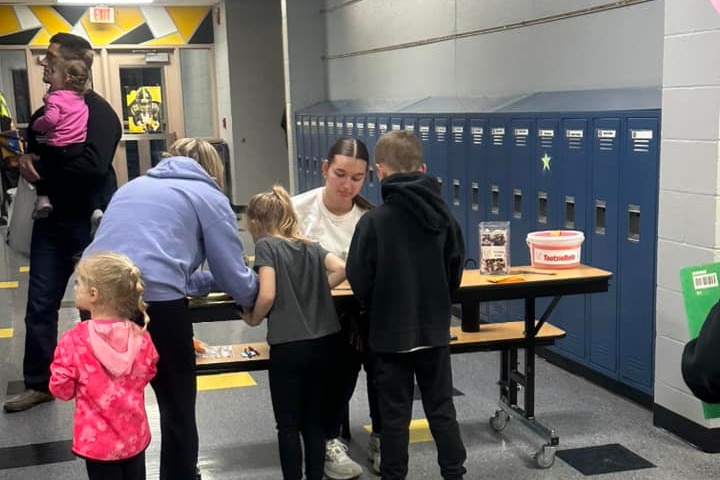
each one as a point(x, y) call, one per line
point(360, 126)
point(410, 128)
point(521, 137)
point(371, 128)
point(458, 133)
point(641, 140)
point(575, 139)
point(477, 135)
point(349, 128)
point(383, 128)
point(498, 135)
point(425, 133)
point(606, 139)
point(395, 127)
point(440, 133)
point(546, 137)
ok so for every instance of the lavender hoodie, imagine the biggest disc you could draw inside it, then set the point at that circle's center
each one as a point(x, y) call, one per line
point(168, 222)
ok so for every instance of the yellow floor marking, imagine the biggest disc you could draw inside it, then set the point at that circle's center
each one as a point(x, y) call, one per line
point(9, 284)
point(6, 332)
point(419, 431)
point(24, 269)
point(224, 380)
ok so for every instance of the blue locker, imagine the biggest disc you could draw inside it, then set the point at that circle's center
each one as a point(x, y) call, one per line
point(547, 174)
point(497, 195)
point(331, 135)
point(361, 135)
point(425, 135)
point(307, 149)
point(315, 152)
point(299, 155)
point(383, 127)
point(372, 183)
point(322, 140)
point(638, 234)
point(437, 161)
point(521, 189)
point(477, 201)
point(457, 175)
point(498, 169)
point(602, 242)
point(349, 126)
point(574, 174)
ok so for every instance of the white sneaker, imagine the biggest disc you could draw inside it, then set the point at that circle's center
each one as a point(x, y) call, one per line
point(338, 465)
point(374, 452)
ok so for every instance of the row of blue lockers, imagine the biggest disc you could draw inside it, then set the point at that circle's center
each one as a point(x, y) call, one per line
point(595, 172)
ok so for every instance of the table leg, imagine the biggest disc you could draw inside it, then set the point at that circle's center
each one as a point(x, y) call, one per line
point(470, 317)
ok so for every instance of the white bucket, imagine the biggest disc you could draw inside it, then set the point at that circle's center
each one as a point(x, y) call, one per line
point(555, 248)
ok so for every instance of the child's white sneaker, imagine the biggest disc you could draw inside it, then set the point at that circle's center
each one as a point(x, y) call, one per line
point(338, 464)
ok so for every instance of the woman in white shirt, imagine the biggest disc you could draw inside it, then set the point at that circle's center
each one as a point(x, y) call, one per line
point(328, 215)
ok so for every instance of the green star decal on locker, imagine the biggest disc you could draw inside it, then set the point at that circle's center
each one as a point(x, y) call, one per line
point(546, 161)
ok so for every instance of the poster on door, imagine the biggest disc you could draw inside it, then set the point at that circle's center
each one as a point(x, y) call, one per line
point(144, 107)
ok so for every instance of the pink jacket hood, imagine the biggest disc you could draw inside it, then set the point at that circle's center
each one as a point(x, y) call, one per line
point(115, 343)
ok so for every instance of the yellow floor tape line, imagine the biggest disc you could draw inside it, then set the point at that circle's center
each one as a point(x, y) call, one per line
point(9, 284)
point(6, 332)
point(419, 431)
point(225, 380)
point(24, 269)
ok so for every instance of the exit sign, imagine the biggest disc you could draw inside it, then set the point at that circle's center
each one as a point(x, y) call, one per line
point(101, 14)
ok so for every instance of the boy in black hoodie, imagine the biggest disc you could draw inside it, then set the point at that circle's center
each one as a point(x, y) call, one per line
point(405, 261)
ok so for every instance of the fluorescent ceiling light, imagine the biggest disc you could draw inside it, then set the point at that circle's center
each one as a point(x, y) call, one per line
point(108, 2)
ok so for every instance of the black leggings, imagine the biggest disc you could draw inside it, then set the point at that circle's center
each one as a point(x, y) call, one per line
point(175, 388)
point(298, 379)
point(132, 468)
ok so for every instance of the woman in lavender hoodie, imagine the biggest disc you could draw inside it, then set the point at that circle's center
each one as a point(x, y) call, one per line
point(169, 221)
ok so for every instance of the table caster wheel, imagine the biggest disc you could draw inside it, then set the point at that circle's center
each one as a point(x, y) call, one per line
point(545, 457)
point(499, 421)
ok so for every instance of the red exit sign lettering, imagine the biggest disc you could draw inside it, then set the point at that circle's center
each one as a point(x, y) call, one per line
point(101, 14)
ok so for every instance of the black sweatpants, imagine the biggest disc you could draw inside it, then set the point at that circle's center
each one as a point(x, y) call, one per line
point(395, 374)
point(298, 380)
point(132, 468)
point(175, 388)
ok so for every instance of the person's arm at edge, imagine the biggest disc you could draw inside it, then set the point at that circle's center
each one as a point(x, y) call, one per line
point(335, 269)
point(63, 374)
point(265, 297)
point(362, 261)
point(200, 283)
point(103, 134)
point(455, 255)
point(225, 257)
point(50, 116)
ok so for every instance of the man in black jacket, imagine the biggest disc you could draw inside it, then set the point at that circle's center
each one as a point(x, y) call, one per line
point(405, 261)
point(57, 241)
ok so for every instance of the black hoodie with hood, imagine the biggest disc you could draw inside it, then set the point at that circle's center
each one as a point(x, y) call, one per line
point(405, 261)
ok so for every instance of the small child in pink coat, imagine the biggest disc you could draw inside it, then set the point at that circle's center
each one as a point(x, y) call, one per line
point(64, 121)
point(105, 363)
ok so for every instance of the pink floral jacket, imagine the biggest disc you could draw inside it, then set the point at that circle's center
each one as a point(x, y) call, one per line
point(110, 419)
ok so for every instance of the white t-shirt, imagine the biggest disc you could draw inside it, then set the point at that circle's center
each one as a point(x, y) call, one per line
point(333, 232)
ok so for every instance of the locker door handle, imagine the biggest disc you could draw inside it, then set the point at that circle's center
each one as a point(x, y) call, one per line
point(474, 196)
point(371, 176)
point(542, 207)
point(600, 216)
point(517, 203)
point(440, 181)
point(569, 212)
point(456, 192)
point(495, 200)
point(633, 212)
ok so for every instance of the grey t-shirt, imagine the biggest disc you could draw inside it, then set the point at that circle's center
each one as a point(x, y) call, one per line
point(303, 307)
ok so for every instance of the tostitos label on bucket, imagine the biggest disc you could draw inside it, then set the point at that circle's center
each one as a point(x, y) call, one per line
point(555, 248)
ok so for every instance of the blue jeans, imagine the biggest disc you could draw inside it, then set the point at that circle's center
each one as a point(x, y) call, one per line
point(57, 243)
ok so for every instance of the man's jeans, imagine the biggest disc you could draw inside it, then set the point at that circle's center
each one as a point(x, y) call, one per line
point(57, 244)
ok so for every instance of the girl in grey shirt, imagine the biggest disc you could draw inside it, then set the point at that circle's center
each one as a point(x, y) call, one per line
point(295, 276)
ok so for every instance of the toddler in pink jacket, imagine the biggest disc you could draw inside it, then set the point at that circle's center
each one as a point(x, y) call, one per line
point(105, 363)
point(63, 121)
